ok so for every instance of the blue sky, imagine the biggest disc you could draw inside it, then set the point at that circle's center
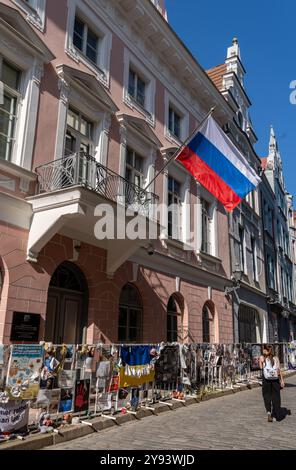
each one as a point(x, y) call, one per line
point(266, 34)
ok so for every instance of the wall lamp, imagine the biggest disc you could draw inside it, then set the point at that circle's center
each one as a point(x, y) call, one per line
point(236, 280)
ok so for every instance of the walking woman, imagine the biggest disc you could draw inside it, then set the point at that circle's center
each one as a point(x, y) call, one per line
point(272, 382)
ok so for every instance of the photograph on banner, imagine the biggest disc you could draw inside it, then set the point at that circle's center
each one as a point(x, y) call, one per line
point(43, 398)
point(114, 384)
point(256, 352)
point(4, 359)
point(24, 371)
point(54, 401)
point(65, 355)
point(14, 416)
point(81, 400)
point(103, 374)
point(66, 378)
point(104, 402)
point(80, 356)
point(66, 400)
point(123, 398)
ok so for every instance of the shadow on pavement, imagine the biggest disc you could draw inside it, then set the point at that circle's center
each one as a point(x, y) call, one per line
point(284, 413)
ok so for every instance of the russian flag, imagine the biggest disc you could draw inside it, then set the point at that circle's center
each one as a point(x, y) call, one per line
point(212, 158)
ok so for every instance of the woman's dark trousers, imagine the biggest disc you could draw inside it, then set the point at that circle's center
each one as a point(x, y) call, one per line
point(271, 391)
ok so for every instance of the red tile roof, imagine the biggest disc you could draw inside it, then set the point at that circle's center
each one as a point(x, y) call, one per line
point(216, 75)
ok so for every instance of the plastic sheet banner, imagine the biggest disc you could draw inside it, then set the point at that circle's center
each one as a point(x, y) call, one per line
point(14, 416)
point(24, 371)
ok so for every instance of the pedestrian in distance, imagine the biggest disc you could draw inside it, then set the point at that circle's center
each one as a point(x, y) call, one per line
point(272, 383)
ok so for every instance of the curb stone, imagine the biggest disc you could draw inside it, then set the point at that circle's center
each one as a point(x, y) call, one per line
point(37, 442)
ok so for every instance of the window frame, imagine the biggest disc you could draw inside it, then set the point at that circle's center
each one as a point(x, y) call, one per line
point(132, 167)
point(128, 308)
point(148, 110)
point(175, 222)
point(36, 13)
point(14, 94)
point(86, 30)
point(102, 68)
point(79, 136)
point(176, 106)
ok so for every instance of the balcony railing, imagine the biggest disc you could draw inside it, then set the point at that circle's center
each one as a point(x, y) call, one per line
point(80, 169)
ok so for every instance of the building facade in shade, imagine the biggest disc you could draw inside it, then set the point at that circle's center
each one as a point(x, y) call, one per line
point(279, 237)
point(245, 223)
point(97, 96)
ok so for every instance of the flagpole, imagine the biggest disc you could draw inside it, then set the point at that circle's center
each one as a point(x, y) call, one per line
point(175, 154)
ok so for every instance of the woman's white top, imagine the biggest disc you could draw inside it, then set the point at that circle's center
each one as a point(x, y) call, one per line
point(271, 372)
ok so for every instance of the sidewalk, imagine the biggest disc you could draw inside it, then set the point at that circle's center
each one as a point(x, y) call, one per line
point(84, 436)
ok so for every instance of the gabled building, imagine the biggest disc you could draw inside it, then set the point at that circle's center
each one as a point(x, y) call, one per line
point(278, 236)
point(245, 223)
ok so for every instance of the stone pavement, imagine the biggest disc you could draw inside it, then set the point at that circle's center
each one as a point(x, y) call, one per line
point(235, 421)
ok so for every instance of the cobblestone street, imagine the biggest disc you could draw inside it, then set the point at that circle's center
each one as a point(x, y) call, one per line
point(232, 422)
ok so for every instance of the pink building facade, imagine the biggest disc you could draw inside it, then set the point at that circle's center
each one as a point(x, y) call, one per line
point(97, 95)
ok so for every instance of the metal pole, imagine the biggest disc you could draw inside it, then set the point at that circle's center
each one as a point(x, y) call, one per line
point(174, 156)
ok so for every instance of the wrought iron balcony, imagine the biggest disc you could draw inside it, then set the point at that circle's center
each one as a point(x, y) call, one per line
point(80, 169)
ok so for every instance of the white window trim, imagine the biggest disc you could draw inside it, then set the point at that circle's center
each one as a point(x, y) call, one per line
point(31, 74)
point(255, 258)
point(169, 100)
point(202, 193)
point(181, 175)
point(130, 61)
point(102, 70)
point(35, 12)
point(133, 140)
point(70, 96)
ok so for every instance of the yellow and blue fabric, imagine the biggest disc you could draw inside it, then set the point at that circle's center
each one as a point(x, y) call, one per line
point(136, 366)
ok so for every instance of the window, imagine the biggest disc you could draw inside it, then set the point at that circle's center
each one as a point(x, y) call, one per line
point(10, 77)
point(175, 123)
point(242, 248)
point(206, 221)
point(205, 325)
point(130, 315)
point(271, 271)
point(134, 170)
point(86, 40)
point(79, 134)
point(248, 325)
point(174, 209)
point(176, 119)
point(136, 88)
point(172, 321)
point(254, 258)
point(139, 87)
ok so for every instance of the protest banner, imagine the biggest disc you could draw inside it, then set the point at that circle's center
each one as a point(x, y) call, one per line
point(14, 416)
point(24, 371)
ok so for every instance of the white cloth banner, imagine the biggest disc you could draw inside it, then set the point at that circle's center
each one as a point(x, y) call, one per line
point(14, 416)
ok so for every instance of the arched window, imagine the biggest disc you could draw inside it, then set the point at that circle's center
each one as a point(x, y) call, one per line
point(130, 315)
point(206, 334)
point(172, 321)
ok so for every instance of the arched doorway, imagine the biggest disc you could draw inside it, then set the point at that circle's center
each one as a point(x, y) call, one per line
point(174, 320)
point(130, 315)
point(67, 306)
